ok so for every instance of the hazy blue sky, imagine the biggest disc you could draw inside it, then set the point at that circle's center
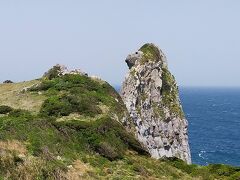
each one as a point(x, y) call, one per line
point(200, 38)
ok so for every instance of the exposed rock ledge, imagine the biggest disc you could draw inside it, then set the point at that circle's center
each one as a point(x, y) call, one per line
point(151, 96)
point(60, 70)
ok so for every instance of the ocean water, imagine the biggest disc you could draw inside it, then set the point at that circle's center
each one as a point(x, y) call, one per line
point(214, 124)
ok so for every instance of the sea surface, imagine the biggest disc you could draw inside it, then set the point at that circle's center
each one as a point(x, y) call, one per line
point(214, 124)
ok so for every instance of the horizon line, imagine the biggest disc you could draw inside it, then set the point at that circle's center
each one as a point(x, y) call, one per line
point(196, 86)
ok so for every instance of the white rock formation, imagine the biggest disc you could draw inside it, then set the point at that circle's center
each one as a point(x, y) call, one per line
point(60, 70)
point(151, 96)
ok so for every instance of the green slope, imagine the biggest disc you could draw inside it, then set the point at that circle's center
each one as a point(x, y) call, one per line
point(70, 127)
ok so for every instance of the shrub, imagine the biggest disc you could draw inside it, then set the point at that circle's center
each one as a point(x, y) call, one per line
point(208, 172)
point(108, 151)
point(53, 72)
point(7, 82)
point(67, 104)
point(43, 86)
point(20, 113)
point(140, 169)
point(180, 164)
point(105, 136)
point(222, 170)
point(5, 109)
point(55, 106)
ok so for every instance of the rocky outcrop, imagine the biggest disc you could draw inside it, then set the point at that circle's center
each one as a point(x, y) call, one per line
point(60, 70)
point(150, 94)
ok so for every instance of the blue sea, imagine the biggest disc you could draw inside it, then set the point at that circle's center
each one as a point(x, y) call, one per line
point(214, 124)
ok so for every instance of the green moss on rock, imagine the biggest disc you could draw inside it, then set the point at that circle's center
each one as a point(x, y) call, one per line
point(133, 72)
point(158, 111)
point(169, 93)
point(150, 53)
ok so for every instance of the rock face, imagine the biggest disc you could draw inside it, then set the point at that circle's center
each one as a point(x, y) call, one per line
point(60, 70)
point(150, 94)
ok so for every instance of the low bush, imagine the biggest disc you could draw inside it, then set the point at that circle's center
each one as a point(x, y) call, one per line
point(108, 151)
point(55, 106)
point(105, 136)
point(180, 164)
point(222, 170)
point(7, 82)
point(20, 113)
point(53, 72)
point(5, 109)
point(67, 104)
point(212, 171)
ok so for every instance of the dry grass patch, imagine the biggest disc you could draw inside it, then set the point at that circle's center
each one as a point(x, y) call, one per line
point(29, 169)
point(12, 95)
point(79, 171)
point(13, 146)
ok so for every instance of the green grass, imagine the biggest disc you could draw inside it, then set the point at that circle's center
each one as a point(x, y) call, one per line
point(52, 144)
point(45, 138)
point(212, 171)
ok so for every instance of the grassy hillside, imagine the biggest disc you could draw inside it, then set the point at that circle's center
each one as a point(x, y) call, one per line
point(14, 95)
point(70, 127)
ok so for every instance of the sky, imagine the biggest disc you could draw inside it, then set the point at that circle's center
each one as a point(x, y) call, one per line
point(201, 38)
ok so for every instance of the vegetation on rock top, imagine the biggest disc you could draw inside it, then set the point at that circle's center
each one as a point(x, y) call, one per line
point(150, 53)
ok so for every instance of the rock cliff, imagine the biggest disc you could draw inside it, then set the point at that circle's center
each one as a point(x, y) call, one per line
point(150, 94)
